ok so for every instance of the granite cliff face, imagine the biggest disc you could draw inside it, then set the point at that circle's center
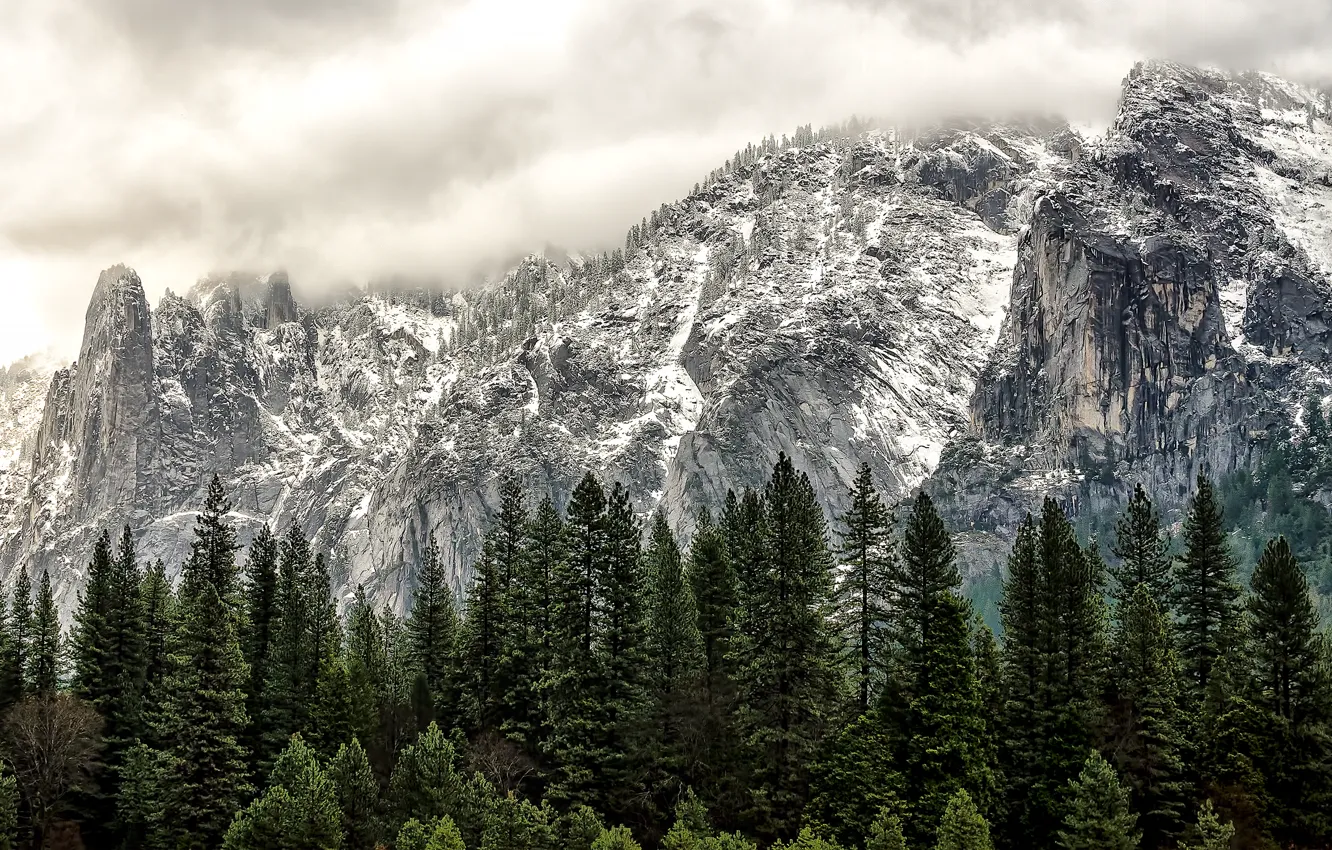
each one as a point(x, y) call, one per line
point(1169, 303)
point(994, 311)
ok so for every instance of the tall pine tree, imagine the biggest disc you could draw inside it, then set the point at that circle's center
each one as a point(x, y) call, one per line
point(867, 560)
point(1143, 552)
point(1206, 596)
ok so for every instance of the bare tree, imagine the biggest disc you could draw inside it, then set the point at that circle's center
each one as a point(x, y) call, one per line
point(53, 741)
point(501, 761)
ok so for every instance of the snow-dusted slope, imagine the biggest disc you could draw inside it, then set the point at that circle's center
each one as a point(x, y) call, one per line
point(833, 300)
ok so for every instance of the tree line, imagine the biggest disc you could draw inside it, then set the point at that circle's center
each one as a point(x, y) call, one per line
point(779, 683)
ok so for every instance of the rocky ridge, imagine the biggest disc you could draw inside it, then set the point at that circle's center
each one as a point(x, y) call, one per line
point(996, 311)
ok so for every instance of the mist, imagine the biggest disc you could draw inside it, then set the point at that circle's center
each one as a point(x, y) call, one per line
point(350, 139)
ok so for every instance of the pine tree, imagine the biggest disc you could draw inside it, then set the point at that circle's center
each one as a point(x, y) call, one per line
point(11, 674)
point(788, 661)
point(1206, 596)
point(483, 632)
point(157, 602)
point(918, 582)
point(1292, 689)
point(855, 779)
point(44, 657)
point(577, 716)
point(1145, 726)
point(886, 833)
point(509, 549)
point(1143, 552)
point(432, 629)
point(867, 572)
point(426, 782)
point(515, 824)
point(288, 685)
point(299, 810)
point(1023, 664)
point(1099, 817)
point(674, 650)
point(108, 655)
point(713, 581)
point(1210, 833)
point(259, 632)
point(530, 654)
point(329, 693)
point(963, 827)
point(202, 717)
point(21, 643)
point(358, 796)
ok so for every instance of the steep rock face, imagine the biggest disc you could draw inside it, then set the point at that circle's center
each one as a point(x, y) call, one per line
point(1167, 304)
point(834, 300)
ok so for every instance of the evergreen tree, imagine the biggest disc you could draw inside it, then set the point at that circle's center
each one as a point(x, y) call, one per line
point(157, 603)
point(515, 824)
point(108, 655)
point(918, 582)
point(886, 833)
point(483, 633)
point(288, 685)
point(855, 779)
point(867, 574)
point(1145, 724)
point(11, 674)
point(1206, 596)
point(1209, 833)
point(21, 637)
point(1292, 689)
point(578, 718)
point(358, 796)
point(529, 655)
point(963, 827)
point(1143, 552)
point(788, 657)
point(202, 716)
point(713, 581)
point(1099, 817)
point(259, 632)
point(506, 672)
point(674, 651)
point(299, 810)
point(329, 694)
point(44, 656)
point(432, 629)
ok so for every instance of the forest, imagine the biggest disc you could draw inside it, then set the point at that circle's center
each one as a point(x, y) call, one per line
point(786, 681)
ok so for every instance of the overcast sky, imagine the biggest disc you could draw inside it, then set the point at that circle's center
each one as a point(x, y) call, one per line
point(344, 139)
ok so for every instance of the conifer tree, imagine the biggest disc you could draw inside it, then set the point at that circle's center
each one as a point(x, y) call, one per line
point(788, 671)
point(157, 602)
point(855, 779)
point(21, 623)
point(918, 580)
point(963, 827)
point(1209, 833)
point(11, 674)
point(1023, 662)
point(886, 833)
point(1143, 552)
point(432, 629)
point(529, 654)
point(426, 782)
point(202, 717)
point(288, 686)
point(44, 656)
point(577, 716)
point(259, 632)
point(1146, 725)
point(1099, 816)
point(357, 795)
point(299, 810)
point(867, 574)
point(508, 540)
point(674, 649)
point(513, 823)
point(108, 655)
point(482, 635)
point(1292, 689)
point(1206, 596)
point(713, 581)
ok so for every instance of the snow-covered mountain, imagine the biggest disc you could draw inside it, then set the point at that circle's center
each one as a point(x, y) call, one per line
point(844, 298)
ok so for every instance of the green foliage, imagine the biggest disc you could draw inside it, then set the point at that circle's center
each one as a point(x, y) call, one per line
point(358, 796)
point(1099, 817)
point(886, 832)
point(867, 560)
point(426, 781)
point(1143, 551)
point(615, 838)
point(299, 810)
point(44, 650)
point(9, 811)
point(963, 827)
point(1209, 833)
point(1206, 596)
point(854, 779)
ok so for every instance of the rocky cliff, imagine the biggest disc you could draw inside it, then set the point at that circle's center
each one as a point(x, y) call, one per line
point(994, 310)
point(1169, 302)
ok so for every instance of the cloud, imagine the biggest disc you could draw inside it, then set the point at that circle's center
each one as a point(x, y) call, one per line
point(347, 139)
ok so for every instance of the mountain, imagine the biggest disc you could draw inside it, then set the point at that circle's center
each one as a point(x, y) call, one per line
point(991, 310)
